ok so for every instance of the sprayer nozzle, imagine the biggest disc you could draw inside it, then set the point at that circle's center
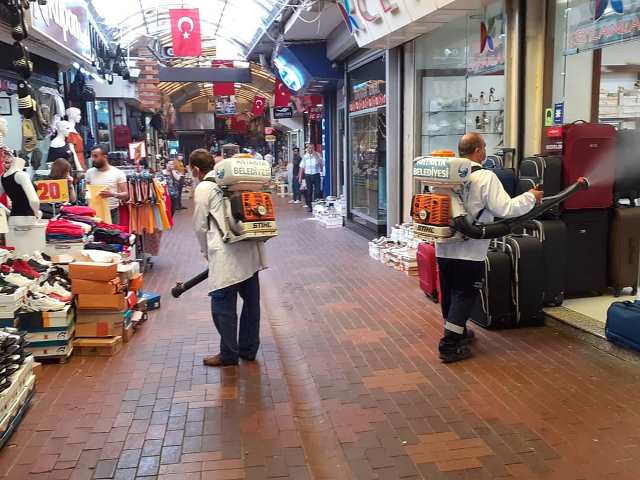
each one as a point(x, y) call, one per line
point(583, 183)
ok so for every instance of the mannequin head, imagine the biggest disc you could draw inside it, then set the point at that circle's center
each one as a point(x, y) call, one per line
point(63, 128)
point(74, 114)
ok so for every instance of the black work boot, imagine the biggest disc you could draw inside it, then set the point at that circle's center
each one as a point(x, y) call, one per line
point(453, 347)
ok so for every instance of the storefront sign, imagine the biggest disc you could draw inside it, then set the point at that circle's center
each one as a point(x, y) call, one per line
point(66, 23)
point(269, 138)
point(53, 191)
point(595, 23)
point(553, 140)
point(558, 113)
point(282, 112)
point(487, 44)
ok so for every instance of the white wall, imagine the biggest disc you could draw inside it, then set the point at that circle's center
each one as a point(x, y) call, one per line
point(577, 101)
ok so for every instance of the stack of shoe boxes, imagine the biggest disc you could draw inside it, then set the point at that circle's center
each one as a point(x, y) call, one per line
point(102, 306)
point(50, 334)
point(17, 382)
point(10, 303)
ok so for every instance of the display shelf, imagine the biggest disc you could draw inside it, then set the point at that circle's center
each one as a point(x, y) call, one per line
point(485, 109)
point(457, 134)
point(434, 112)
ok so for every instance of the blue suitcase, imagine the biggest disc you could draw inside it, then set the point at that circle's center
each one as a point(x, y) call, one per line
point(623, 324)
point(506, 175)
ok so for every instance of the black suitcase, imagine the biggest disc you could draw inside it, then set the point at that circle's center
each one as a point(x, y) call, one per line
point(627, 183)
point(494, 304)
point(527, 259)
point(553, 236)
point(525, 184)
point(545, 172)
point(587, 247)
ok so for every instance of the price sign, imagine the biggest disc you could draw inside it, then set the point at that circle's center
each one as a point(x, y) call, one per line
point(53, 191)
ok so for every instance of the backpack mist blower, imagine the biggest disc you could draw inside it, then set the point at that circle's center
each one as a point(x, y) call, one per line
point(249, 214)
point(440, 216)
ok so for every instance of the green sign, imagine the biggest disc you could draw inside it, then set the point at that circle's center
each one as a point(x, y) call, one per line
point(548, 117)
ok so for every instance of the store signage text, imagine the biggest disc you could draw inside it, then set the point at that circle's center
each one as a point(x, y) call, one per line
point(65, 22)
point(348, 10)
point(602, 33)
point(282, 112)
point(369, 102)
point(52, 191)
point(432, 168)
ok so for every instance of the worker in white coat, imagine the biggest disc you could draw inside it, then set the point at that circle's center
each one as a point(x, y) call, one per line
point(233, 269)
point(461, 264)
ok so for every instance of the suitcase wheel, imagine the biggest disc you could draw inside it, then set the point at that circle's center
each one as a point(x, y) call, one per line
point(617, 292)
point(634, 291)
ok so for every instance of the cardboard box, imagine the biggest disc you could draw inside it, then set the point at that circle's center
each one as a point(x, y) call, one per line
point(117, 302)
point(97, 347)
point(92, 287)
point(100, 324)
point(102, 272)
point(41, 321)
point(136, 283)
point(44, 338)
point(54, 350)
point(127, 271)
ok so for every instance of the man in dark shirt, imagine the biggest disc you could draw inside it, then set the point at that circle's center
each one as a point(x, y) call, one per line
point(297, 159)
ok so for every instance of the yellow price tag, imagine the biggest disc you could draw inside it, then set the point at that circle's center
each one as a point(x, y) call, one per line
point(53, 191)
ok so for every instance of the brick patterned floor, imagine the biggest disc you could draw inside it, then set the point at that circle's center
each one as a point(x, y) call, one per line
point(347, 385)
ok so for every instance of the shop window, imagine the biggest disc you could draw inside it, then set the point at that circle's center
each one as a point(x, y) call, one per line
point(460, 73)
point(367, 140)
point(103, 119)
point(596, 75)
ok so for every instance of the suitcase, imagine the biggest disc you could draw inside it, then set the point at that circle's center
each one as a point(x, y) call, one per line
point(527, 258)
point(428, 271)
point(587, 241)
point(506, 175)
point(547, 173)
point(525, 184)
point(623, 324)
point(589, 152)
point(624, 243)
point(627, 183)
point(553, 235)
point(494, 303)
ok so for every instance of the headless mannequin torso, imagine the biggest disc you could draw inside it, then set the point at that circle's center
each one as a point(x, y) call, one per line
point(60, 148)
point(15, 182)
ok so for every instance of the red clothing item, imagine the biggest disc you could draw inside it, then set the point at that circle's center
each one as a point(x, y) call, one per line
point(78, 210)
point(109, 226)
point(64, 227)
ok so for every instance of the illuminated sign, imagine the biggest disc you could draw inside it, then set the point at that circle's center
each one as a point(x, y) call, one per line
point(290, 75)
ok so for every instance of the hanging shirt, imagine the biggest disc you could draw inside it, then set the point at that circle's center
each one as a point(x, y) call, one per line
point(484, 192)
point(229, 263)
point(76, 140)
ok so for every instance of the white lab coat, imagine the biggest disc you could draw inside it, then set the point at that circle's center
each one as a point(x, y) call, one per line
point(229, 263)
point(485, 191)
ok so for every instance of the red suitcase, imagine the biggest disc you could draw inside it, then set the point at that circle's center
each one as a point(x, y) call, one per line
point(428, 271)
point(589, 152)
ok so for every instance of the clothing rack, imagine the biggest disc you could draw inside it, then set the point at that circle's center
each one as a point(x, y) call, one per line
point(147, 207)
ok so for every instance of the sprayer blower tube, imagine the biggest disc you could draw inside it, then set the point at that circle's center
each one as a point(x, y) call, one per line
point(504, 227)
point(180, 288)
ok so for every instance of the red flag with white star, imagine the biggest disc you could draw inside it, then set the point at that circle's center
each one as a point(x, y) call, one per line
point(223, 89)
point(258, 105)
point(185, 31)
point(282, 94)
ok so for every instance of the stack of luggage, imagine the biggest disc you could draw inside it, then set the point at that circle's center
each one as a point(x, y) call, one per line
point(588, 245)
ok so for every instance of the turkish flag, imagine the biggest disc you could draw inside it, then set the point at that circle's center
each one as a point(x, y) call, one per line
point(185, 31)
point(223, 89)
point(282, 94)
point(238, 125)
point(258, 105)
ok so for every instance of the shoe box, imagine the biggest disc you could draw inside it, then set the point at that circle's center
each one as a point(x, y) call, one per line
point(148, 301)
point(116, 302)
point(43, 338)
point(93, 287)
point(128, 271)
point(97, 347)
point(101, 272)
point(53, 349)
point(40, 321)
point(22, 382)
point(8, 302)
point(98, 324)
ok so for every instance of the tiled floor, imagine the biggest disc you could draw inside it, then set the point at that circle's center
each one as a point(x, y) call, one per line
point(347, 385)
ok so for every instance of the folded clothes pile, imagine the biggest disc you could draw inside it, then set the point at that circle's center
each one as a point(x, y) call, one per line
point(64, 231)
point(78, 210)
point(111, 236)
point(109, 226)
point(91, 222)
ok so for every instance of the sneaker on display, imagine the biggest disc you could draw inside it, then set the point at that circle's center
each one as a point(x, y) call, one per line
point(17, 279)
point(57, 291)
point(23, 268)
point(39, 302)
point(42, 258)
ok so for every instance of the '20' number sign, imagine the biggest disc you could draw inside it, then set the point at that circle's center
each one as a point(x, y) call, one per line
point(53, 191)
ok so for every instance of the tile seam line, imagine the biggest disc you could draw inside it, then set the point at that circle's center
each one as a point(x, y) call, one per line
point(273, 312)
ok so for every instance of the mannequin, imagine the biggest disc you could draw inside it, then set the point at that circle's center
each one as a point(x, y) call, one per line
point(74, 115)
point(61, 149)
point(15, 182)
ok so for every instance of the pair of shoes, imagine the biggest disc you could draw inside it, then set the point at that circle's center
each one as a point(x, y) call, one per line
point(297, 201)
point(38, 302)
point(248, 358)
point(455, 353)
point(17, 279)
point(291, 201)
point(24, 269)
point(216, 361)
